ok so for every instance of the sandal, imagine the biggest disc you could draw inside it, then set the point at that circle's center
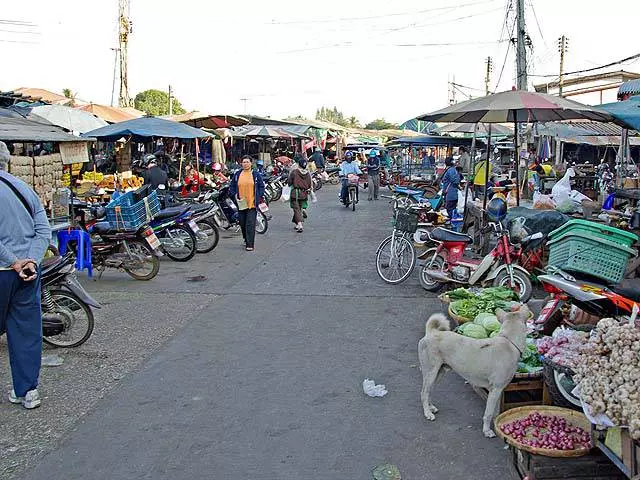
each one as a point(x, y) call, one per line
point(250, 249)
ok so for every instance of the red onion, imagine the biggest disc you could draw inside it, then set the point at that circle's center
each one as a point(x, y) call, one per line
point(547, 431)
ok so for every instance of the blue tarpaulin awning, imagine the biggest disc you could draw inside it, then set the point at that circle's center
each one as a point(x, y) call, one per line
point(432, 141)
point(146, 127)
point(627, 111)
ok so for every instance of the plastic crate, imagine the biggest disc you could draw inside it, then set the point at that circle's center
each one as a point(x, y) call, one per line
point(598, 230)
point(125, 213)
point(581, 252)
point(406, 221)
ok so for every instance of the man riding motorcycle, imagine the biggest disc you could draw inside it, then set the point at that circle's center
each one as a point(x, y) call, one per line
point(347, 167)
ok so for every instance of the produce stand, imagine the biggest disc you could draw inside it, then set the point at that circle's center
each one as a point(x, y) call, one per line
point(524, 390)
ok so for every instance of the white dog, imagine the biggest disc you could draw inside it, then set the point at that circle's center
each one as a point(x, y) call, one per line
point(489, 363)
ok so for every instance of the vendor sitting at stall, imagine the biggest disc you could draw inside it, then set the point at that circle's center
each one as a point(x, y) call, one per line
point(192, 181)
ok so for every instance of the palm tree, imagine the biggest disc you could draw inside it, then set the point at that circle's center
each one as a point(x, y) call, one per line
point(353, 122)
point(70, 95)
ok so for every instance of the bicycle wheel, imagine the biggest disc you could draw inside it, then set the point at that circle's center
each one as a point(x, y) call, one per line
point(262, 224)
point(395, 259)
point(352, 197)
point(75, 315)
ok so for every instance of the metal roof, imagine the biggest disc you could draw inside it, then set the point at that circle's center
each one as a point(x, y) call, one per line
point(632, 87)
point(22, 130)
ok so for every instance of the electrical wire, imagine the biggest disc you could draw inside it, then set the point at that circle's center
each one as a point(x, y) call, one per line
point(506, 56)
point(632, 57)
point(468, 88)
point(375, 17)
point(423, 25)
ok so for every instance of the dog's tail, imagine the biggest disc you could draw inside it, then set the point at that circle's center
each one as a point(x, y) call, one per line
point(437, 321)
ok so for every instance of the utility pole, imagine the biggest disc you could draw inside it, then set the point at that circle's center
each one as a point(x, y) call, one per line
point(521, 51)
point(487, 78)
point(244, 101)
point(563, 46)
point(170, 102)
point(124, 29)
point(116, 51)
point(452, 91)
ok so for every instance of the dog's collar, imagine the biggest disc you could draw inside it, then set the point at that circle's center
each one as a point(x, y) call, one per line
point(511, 342)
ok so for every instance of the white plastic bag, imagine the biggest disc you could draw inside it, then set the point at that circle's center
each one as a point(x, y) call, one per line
point(286, 193)
point(314, 197)
point(373, 390)
point(461, 206)
point(543, 202)
point(561, 190)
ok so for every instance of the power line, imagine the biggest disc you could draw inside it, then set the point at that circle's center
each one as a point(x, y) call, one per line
point(633, 57)
point(400, 45)
point(468, 88)
point(506, 56)
point(18, 31)
point(422, 25)
point(19, 41)
point(375, 17)
point(17, 23)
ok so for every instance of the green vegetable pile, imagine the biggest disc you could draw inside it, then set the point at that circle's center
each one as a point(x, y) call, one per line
point(530, 359)
point(468, 304)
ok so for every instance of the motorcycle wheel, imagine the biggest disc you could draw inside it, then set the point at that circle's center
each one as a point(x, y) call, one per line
point(560, 385)
point(334, 180)
point(262, 224)
point(276, 194)
point(426, 281)
point(75, 315)
point(522, 284)
point(209, 228)
point(395, 268)
point(151, 262)
point(183, 240)
point(352, 199)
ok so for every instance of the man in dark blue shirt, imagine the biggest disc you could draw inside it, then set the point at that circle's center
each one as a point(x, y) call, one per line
point(373, 172)
point(318, 159)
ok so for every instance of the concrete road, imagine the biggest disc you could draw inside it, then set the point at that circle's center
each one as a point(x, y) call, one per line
point(264, 381)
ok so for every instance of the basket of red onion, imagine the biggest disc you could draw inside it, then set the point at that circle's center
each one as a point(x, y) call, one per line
point(549, 431)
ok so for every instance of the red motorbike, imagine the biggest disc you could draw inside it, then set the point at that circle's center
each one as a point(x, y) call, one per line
point(448, 262)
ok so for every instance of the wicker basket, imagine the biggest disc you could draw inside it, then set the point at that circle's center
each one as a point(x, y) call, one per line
point(576, 419)
point(459, 319)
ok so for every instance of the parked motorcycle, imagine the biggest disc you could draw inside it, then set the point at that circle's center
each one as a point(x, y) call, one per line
point(67, 319)
point(227, 216)
point(447, 262)
point(177, 232)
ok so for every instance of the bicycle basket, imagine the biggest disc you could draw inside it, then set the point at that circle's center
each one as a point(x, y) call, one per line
point(353, 179)
point(406, 221)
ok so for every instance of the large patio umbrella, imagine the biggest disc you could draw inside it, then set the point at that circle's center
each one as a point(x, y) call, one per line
point(479, 129)
point(69, 118)
point(516, 106)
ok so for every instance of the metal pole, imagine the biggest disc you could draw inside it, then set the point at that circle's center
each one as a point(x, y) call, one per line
point(562, 48)
point(516, 155)
point(521, 52)
point(486, 172)
point(470, 175)
point(170, 102)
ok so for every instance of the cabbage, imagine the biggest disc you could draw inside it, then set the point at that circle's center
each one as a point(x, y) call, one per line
point(472, 330)
point(488, 321)
point(495, 333)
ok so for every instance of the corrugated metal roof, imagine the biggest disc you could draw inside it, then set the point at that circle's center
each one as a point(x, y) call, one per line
point(23, 130)
point(632, 87)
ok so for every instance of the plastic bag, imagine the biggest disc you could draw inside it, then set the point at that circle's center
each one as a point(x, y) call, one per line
point(511, 200)
point(461, 205)
point(561, 190)
point(543, 202)
point(286, 193)
point(373, 390)
point(314, 197)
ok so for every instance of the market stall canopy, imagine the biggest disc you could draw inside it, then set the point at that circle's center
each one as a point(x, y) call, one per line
point(628, 89)
point(470, 128)
point(517, 105)
point(205, 120)
point(44, 95)
point(112, 114)
point(69, 118)
point(266, 131)
point(627, 112)
point(587, 133)
point(19, 129)
point(147, 127)
point(427, 128)
point(430, 141)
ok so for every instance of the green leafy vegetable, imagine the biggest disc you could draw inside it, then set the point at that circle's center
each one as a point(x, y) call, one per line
point(472, 330)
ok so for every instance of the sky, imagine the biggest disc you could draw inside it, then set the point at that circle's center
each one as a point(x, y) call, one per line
point(369, 58)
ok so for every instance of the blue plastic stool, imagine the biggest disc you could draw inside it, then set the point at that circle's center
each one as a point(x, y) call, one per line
point(83, 241)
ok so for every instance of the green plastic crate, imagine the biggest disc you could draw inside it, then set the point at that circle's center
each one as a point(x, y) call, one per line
point(604, 232)
point(577, 251)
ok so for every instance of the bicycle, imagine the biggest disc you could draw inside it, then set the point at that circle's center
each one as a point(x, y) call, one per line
point(396, 255)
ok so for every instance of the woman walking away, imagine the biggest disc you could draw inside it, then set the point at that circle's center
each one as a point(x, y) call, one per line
point(247, 188)
point(300, 182)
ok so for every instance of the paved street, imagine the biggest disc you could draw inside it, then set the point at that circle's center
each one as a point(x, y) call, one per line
point(256, 372)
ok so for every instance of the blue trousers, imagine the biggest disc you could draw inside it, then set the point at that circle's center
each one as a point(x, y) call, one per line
point(21, 318)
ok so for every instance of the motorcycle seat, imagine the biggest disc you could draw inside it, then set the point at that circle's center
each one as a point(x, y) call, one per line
point(200, 207)
point(443, 235)
point(630, 293)
point(102, 227)
point(170, 212)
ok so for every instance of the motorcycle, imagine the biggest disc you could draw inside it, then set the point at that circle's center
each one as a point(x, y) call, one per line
point(67, 319)
point(227, 215)
point(177, 232)
point(352, 198)
point(447, 262)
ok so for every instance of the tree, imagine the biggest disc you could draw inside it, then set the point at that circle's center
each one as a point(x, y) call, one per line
point(380, 124)
point(156, 103)
point(70, 95)
point(353, 122)
point(336, 116)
